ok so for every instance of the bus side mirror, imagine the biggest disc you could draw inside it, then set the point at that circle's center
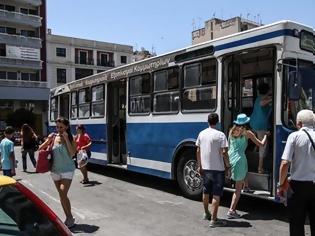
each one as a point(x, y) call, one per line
point(294, 86)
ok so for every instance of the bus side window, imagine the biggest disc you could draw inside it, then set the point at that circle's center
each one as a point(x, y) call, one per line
point(200, 86)
point(140, 95)
point(166, 94)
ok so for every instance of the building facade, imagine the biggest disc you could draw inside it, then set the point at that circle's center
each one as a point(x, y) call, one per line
point(23, 82)
point(216, 28)
point(70, 59)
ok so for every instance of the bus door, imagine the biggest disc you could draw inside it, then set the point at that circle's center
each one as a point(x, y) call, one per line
point(242, 73)
point(231, 95)
point(116, 122)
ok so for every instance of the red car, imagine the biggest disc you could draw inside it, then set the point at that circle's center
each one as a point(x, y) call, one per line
point(23, 213)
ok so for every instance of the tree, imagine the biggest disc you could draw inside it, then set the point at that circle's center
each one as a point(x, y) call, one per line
point(19, 117)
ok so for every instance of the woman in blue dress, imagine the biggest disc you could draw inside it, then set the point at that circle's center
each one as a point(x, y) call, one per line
point(238, 139)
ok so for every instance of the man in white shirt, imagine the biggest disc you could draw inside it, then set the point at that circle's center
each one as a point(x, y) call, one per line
point(300, 153)
point(213, 160)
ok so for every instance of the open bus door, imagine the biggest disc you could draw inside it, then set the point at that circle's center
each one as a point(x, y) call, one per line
point(116, 122)
point(242, 73)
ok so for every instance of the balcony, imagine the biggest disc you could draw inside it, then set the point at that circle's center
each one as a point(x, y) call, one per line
point(24, 84)
point(35, 3)
point(20, 63)
point(22, 41)
point(20, 18)
point(84, 61)
point(105, 63)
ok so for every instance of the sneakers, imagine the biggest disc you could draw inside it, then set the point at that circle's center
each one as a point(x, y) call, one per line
point(217, 223)
point(70, 222)
point(85, 181)
point(233, 215)
point(207, 216)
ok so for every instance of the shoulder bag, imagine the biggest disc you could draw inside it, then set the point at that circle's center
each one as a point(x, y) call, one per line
point(310, 138)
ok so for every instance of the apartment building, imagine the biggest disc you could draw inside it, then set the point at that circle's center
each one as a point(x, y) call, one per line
point(216, 28)
point(70, 59)
point(23, 82)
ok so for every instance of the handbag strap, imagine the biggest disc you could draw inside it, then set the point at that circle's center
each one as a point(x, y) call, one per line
point(52, 143)
point(310, 138)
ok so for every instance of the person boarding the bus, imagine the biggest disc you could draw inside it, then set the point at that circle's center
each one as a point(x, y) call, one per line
point(259, 119)
point(299, 152)
point(212, 161)
point(238, 140)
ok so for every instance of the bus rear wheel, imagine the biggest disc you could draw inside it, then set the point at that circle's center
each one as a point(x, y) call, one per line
point(188, 177)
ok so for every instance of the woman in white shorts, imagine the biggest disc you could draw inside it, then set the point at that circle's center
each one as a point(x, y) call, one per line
point(63, 167)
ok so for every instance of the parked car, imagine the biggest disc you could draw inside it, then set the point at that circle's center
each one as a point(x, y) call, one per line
point(24, 213)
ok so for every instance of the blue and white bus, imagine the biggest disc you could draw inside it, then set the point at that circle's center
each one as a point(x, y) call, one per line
point(146, 116)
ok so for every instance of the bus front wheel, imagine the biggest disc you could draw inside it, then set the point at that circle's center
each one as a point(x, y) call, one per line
point(188, 177)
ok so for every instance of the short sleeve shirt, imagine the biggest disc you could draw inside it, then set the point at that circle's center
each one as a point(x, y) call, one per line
point(82, 140)
point(299, 151)
point(6, 148)
point(210, 141)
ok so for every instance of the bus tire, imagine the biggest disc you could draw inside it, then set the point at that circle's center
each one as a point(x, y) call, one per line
point(188, 178)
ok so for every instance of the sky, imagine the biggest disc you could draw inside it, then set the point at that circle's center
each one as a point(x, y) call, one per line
point(165, 25)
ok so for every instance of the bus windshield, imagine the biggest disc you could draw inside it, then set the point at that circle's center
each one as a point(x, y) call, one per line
point(307, 96)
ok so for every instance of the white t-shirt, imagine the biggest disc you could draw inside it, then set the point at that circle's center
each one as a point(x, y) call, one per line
point(299, 151)
point(210, 141)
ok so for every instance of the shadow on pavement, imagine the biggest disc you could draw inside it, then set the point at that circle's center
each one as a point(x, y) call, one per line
point(149, 181)
point(257, 209)
point(92, 183)
point(84, 228)
point(237, 224)
point(31, 172)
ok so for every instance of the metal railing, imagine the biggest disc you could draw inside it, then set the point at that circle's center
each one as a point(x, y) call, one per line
point(84, 61)
point(105, 63)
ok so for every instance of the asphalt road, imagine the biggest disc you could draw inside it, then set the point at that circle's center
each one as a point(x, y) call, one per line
point(122, 203)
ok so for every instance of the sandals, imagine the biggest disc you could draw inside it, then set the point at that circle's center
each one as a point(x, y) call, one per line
point(84, 181)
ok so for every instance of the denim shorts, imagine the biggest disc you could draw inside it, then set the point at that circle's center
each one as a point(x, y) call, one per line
point(60, 176)
point(213, 182)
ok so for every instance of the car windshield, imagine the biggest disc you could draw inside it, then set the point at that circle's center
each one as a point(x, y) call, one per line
point(307, 96)
point(20, 216)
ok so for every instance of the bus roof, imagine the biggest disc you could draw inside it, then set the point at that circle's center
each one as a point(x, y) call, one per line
point(166, 58)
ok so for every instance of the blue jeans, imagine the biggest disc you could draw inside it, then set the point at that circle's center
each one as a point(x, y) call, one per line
point(7, 173)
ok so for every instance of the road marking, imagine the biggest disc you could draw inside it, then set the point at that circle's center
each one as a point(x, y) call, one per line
point(170, 203)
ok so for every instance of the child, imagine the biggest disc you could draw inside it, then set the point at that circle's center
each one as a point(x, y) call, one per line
point(7, 153)
point(238, 137)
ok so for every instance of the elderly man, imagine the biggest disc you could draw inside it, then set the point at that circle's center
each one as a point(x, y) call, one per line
point(300, 153)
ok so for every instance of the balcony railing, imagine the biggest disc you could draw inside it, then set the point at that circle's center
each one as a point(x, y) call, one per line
point(20, 63)
point(84, 61)
point(21, 83)
point(31, 2)
point(20, 18)
point(22, 41)
point(105, 63)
